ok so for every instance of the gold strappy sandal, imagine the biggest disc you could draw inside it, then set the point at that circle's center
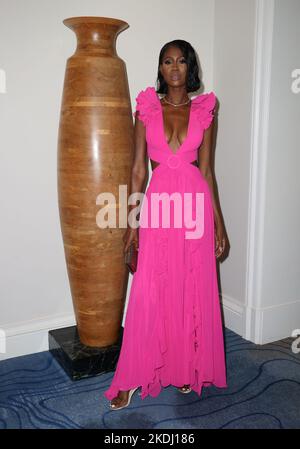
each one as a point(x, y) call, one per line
point(185, 389)
point(113, 407)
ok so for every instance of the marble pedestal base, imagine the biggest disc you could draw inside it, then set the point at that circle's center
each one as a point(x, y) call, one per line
point(80, 361)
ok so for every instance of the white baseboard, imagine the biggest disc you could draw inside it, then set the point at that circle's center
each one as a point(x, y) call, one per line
point(234, 315)
point(268, 324)
point(274, 323)
point(279, 321)
point(30, 337)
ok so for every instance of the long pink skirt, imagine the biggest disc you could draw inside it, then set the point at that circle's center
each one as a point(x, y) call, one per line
point(173, 330)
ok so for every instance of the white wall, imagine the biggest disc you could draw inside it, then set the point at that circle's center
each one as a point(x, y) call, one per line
point(34, 47)
point(256, 49)
point(280, 297)
point(233, 84)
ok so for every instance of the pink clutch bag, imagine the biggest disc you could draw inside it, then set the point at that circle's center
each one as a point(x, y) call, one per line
point(131, 257)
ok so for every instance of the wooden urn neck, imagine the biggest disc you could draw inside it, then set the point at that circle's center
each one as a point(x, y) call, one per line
point(96, 35)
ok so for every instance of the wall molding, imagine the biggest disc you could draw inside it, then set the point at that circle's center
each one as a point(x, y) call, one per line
point(262, 60)
point(31, 336)
point(234, 314)
point(273, 322)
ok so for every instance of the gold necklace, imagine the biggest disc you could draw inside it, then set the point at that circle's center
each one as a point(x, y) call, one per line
point(180, 104)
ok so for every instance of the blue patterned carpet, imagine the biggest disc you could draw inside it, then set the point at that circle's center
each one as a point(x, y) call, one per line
point(263, 392)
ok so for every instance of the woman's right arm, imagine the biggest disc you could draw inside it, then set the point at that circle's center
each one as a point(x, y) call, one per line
point(138, 174)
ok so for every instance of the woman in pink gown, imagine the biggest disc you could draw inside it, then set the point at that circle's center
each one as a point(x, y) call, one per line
point(173, 331)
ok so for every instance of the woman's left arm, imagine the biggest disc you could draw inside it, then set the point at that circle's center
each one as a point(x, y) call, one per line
point(205, 166)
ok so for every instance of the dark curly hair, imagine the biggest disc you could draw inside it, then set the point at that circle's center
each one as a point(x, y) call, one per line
point(193, 82)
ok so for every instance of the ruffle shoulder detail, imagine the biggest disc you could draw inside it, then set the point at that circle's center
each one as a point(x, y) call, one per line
point(204, 108)
point(147, 104)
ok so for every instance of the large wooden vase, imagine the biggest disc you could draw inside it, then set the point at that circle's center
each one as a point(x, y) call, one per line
point(94, 156)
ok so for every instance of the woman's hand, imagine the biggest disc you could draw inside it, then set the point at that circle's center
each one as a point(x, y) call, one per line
point(219, 239)
point(131, 235)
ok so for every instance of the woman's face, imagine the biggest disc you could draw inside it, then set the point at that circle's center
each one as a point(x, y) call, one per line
point(174, 67)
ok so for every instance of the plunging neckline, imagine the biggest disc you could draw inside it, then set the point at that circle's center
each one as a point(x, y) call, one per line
point(162, 126)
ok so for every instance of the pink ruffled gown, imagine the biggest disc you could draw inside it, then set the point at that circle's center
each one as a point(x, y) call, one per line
point(173, 330)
